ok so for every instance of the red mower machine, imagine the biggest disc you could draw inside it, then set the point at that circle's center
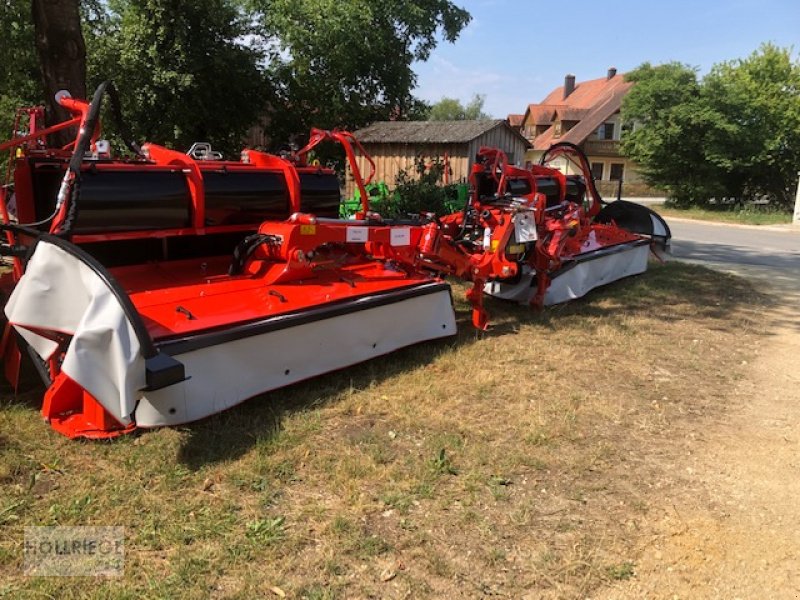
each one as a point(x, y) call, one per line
point(167, 287)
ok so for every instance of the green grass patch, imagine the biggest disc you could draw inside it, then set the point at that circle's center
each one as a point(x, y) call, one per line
point(741, 216)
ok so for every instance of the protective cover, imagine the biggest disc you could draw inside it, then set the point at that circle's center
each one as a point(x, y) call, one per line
point(60, 294)
point(636, 219)
point(579, 276)
point(582, 276)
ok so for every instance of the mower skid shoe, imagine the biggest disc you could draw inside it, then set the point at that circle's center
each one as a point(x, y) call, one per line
point(75, 413)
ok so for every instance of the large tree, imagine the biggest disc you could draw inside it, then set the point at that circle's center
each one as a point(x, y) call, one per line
point(335, 63)
point(62, 55)
point(757, 146)
point(736, 133)
point(666, 122)
point(207, 69)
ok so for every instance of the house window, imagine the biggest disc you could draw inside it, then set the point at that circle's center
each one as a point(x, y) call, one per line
point(617, 170)
point(606, 131)
point(597, 171)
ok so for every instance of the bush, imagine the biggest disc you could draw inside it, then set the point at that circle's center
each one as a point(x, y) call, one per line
point(423, 193)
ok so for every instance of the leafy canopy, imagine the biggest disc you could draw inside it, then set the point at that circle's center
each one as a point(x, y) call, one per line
point(735, 133)
point(757, 145)
point(450, 109)
point(182, 68)
point(207, 69)
point(345, 64)
point(20, 81)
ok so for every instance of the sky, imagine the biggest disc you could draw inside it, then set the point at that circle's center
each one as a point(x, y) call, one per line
point(516, 52)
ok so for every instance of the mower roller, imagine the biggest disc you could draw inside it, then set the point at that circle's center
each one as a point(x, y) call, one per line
point(166, 287)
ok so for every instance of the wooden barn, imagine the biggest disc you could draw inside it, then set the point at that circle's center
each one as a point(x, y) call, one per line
point(398, 145)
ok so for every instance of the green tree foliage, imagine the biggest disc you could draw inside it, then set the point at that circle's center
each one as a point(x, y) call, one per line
point(182, 68)
point(667, 119)
point(736, 133)
point(20, 79)
point(345, 64)
point(757, 145)
point(207, 69)
point(450, 109)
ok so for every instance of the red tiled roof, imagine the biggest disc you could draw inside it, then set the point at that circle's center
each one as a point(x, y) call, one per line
point(590, 103)
point(546, 139)
point(607, 105)
point(539, 114)
point(515, 120)
point(586, 93)
point(567, 113)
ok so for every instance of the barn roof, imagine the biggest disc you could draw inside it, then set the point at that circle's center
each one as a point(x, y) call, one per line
point(431, 132)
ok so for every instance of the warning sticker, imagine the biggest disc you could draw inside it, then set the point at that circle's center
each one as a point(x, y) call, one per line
point(308, 229)
point(357, 234)
point(400, 236)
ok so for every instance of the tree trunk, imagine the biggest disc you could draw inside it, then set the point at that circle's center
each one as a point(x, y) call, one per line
point(62, 56)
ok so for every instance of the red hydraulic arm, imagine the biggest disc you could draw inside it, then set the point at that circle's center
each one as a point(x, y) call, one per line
point(347, 140)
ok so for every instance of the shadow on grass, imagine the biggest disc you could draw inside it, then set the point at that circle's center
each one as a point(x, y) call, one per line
point(232, 433)
point(668, 292)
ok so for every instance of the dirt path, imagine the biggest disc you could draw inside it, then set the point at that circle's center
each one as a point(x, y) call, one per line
point(735, 531)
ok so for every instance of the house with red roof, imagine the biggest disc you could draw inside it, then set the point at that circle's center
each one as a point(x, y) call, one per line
point(586, 113)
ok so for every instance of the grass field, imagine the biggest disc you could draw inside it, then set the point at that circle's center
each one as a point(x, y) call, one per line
point(516, 463)
point(749, 216)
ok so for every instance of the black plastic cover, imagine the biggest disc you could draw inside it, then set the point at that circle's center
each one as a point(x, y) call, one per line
point(144, 199)
point(319, 194)
point(132, 200)
point(235, 198)
point(636, 219)
point(123, 200)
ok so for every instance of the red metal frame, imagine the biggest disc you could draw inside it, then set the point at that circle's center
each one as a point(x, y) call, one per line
point(347, 141)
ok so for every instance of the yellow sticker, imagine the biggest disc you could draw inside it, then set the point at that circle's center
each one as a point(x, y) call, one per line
point(308, 229)
point(495, 244)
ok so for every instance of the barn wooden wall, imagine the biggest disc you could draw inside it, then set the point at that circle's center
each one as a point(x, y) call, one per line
point(390, 159)
point(503, 138)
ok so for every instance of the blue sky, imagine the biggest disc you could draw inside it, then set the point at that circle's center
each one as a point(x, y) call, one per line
point(515, 52)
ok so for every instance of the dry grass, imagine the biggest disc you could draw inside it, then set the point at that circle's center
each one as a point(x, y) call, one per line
point(514, 463)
